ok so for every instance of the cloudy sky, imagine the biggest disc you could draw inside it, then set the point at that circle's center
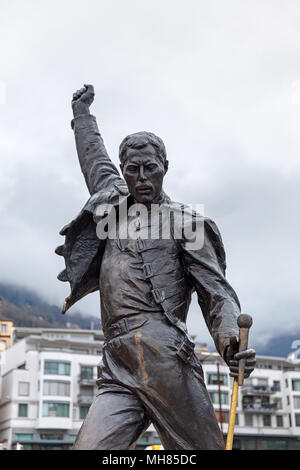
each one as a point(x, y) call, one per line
point(218, 81)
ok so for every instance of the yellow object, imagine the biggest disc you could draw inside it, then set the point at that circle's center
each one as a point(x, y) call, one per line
point(154, 447)
point(232, 416)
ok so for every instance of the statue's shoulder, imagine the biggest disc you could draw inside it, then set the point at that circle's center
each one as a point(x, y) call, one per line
point(212, 226)
point(112, 195)
point(191, 211)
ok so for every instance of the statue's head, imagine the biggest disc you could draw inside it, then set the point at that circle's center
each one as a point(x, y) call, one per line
point(143, 164)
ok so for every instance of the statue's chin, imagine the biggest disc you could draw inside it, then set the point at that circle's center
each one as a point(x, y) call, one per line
point(144, 200)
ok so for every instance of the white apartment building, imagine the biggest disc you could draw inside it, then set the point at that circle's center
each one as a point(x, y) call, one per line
point(49, 381)
point(268, 412)
point(48, 384)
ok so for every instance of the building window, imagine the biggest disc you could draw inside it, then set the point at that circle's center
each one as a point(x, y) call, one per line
point(86, 391)
point(286, 383)
point(27, 446)
point(249, 444)
point(3, 328)
point(23, 437)
point(56, 388)
point(279, 421)
point(56, 409)
point(51, 437)
point(24, 389)
point(296, 401)
point(267, 420)
point(214, 396)
point(212, 379)
point(84, 411)
point(86, 372)
point(23, 410)
point(57, 367)
point(297, 419)
point(288, 400)
point(273, 445)
point(296, 385)
point(278, 402)
point(248, 420)
point(290, 420)
point(276, 386)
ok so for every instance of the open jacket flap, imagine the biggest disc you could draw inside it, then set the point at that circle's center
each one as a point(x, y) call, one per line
point(82, 249)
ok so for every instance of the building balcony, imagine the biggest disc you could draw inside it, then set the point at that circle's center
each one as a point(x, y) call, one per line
point(85, 399)
point(87, 380)
point(260, 408)
point(258, 390)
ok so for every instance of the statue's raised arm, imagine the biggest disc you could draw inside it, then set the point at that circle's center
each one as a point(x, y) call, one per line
point(99, 172)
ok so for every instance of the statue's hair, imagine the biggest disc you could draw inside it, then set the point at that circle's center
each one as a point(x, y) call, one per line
point(139, 140)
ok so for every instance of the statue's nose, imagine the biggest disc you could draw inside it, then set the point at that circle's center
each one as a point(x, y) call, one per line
point(142, 176)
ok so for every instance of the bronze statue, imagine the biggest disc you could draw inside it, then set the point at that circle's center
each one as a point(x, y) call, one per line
point(150, 372)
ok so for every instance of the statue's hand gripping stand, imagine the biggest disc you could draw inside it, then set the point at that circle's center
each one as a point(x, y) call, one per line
point(244, 323)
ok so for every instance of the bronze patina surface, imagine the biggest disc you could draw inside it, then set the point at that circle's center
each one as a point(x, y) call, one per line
point(149, 373)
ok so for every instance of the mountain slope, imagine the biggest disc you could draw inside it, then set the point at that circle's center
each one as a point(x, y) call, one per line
point(21, 317)
point(26, 308)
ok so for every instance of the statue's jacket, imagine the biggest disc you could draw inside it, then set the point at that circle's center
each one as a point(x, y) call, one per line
point(173, 270)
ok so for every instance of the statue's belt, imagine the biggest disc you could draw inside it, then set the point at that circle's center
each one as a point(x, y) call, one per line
point(123, 326)
point(185, 350)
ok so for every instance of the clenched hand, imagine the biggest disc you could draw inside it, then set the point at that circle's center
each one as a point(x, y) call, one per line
point(82, 100)
point(233, 357)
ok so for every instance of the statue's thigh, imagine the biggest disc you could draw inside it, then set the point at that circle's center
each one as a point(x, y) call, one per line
point(115, 421)
point(180, 407)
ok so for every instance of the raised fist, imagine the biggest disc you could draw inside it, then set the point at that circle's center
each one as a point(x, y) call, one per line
point(82, 100)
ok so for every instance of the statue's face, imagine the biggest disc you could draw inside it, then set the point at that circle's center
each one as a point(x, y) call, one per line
point(144, 172)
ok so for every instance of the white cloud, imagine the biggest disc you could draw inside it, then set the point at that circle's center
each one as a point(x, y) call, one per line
point(216, 80)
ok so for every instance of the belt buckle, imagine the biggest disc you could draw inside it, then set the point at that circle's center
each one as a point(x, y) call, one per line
point(140, 245)
point(125, 328)
point(147, 270)
point(186, 350)
point(158, 295)
point(118, 330)
point(114, 330)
